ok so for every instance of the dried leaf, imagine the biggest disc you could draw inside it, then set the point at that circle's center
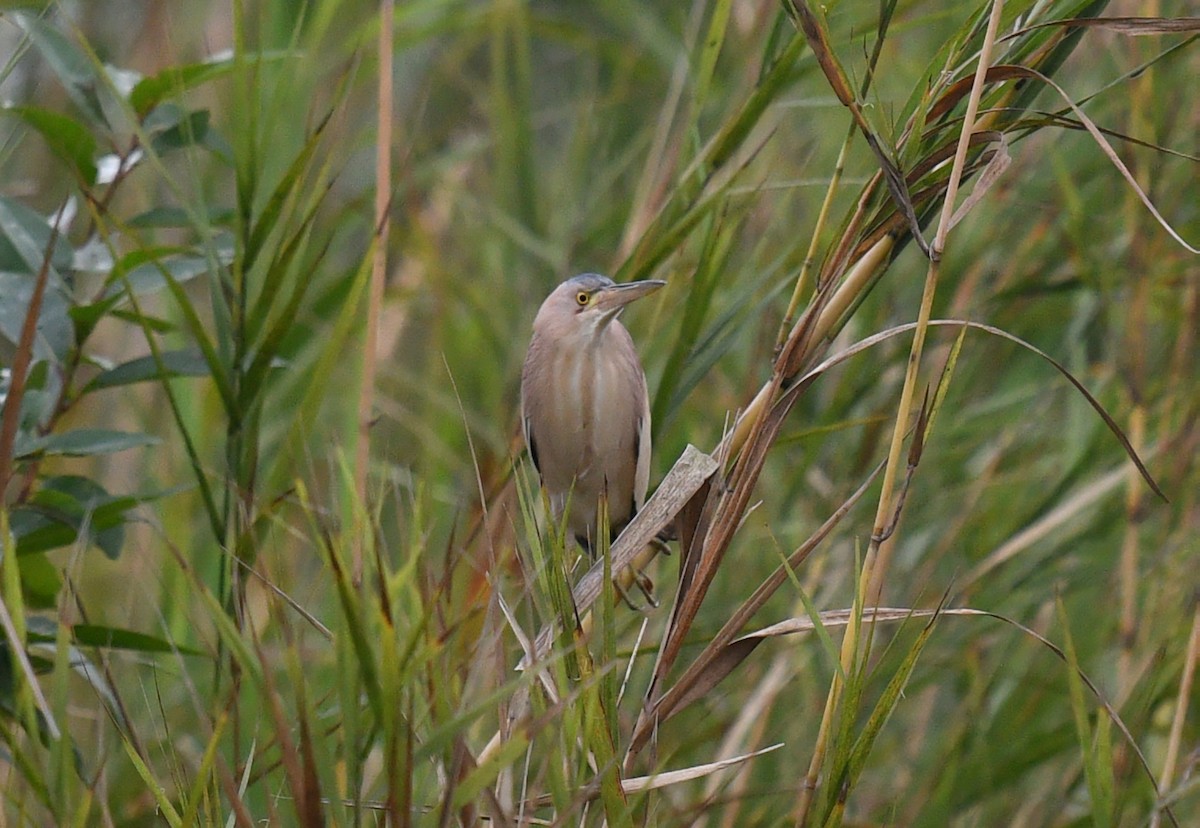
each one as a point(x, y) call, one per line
point(654, 781)
point(996, 166)
point(702, 674)
point(959, 89)
point(687, 476)
point(1130, 26)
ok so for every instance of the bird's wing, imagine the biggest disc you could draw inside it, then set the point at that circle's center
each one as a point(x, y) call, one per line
point(527, 404)
point(641, 479)
point(527, 427)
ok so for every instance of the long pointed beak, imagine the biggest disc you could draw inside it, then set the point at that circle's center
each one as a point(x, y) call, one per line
point(612, 299)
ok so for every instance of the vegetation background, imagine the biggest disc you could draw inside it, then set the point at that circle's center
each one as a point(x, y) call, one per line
point(186, 205)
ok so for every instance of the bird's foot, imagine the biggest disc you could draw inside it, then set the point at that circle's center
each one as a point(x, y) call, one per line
point(645, 586)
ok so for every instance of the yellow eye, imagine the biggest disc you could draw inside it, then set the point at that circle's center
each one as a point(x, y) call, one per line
point(582, 298)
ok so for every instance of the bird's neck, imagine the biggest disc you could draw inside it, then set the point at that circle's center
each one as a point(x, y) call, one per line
point(594, 336)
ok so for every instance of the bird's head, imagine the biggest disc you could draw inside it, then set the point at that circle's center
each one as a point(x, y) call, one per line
point(589, 302)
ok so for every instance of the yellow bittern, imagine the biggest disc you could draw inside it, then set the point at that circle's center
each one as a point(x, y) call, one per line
point(584, 407)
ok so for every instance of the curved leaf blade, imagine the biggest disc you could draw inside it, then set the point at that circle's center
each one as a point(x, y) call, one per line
point(67, 138)
point(84, 442)
point(72, 66)
point(183, 363)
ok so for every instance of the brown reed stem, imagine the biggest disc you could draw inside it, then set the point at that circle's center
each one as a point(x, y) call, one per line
point(383, 198)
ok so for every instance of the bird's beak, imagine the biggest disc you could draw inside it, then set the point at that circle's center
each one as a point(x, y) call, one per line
point(611, 300)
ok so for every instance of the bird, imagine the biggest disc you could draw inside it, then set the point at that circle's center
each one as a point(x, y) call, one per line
point(585, 410)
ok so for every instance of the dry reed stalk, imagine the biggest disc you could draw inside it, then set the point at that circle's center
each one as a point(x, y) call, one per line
point(383, 198)
point(1129, 556)
point(875, 565)
point(1175, 739)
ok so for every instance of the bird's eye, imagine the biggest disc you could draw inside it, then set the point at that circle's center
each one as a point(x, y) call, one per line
point(582, 298)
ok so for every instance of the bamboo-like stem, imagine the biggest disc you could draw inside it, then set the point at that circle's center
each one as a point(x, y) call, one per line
point(1135, 346)
point(1175, 739)
point(383, 198)
point(1129, 557)
point(875, 564)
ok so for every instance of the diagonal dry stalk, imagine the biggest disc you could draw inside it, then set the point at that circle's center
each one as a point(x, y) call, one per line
point(715, 661)
point(630, 552)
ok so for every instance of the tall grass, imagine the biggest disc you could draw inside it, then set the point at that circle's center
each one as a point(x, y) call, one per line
point(929, 332)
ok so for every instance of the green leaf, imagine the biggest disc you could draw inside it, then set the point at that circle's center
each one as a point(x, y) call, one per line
point(43, 389)
point(716, 342)
point(45, 637)
point(67, 138)
point(161, 797)
point(55, 333)
point(185, 363)
point(178, 217)
point(1097, 758)
point(94, 635)
point(889, 700)
point(40, 581)
point(148, 277)
point(713, 40)
point(73, 67)
point(144, 320)
point(192, 129)
point(717, 246)
point(149, 269)
point(174, 80)
point(85, 442)
point(163, 117)
point(66, 505)
point(172, 127)
point(24, 237)
point(86, 318)
point(35, 532)
point(285, 191)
